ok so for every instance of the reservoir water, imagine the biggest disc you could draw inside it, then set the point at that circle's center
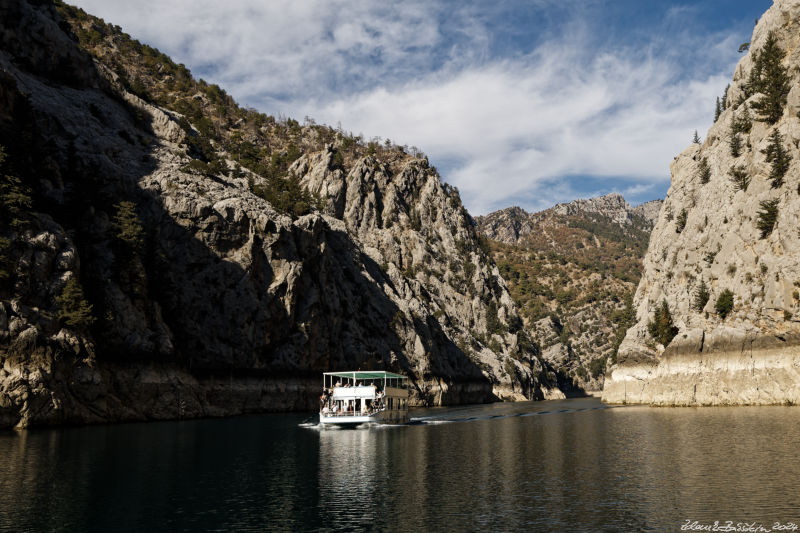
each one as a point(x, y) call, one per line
point(572, 465)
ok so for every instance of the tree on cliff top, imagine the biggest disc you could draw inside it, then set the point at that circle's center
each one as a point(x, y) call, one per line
point(661, 327)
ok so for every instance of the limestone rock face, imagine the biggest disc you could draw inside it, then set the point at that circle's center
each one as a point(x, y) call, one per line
point(708, 233)
point(227, 306)
point(415, 229)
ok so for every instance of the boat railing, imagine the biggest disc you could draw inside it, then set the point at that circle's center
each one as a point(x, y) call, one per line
point(350, 412)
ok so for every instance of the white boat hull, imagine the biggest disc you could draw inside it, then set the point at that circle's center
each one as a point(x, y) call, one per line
point(381, 417)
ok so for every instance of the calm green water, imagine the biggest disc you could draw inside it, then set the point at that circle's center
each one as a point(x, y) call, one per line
point(571, 465)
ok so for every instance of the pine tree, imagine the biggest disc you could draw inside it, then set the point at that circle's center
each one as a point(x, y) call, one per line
point(73, 309)
point(742, 122)
point(704, 171)
point(287, 195)
point(680, 222)
point(129, 229)
point(767, 217)
point(771, 79)
point(701, 296)
point(725, 97)
point(779, 157)
point(661, 328)
point(739, 177)
point(735, 143)
point(696, 138)
point(717, 110)
point(15, 198)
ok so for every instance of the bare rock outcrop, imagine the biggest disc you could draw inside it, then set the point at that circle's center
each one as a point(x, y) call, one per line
point(513, 224)
point(727, 225)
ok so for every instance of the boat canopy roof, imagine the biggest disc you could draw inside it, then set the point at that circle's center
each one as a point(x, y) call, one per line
point(374, 374)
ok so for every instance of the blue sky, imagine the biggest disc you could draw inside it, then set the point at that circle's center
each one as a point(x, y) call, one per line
point(516, 102)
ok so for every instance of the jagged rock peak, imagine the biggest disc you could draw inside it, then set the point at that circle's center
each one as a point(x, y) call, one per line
point(512, 224)
point(506, 225)
point(648, 211)
point(612, 206)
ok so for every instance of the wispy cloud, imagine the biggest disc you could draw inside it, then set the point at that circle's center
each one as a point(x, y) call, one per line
point(515, 127)
point(529, 112)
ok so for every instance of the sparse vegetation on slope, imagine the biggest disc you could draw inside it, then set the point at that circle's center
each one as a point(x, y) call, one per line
point(214, 122)
point(572, 278)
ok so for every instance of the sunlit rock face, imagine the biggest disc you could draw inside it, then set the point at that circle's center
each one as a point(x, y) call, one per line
point(715, 233)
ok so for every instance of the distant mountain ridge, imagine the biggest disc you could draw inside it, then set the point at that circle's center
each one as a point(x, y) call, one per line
point(572, 270)
point(512, 224)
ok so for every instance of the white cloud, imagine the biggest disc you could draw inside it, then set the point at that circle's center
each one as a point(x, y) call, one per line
point(507, 130)
point(268, 52)
point(517, 126)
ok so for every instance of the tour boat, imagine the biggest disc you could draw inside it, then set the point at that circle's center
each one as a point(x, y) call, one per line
point(352, 398)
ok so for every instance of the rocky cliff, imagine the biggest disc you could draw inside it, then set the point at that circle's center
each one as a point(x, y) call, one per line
point(572, 270)
point(165, 253)
point(717, 308)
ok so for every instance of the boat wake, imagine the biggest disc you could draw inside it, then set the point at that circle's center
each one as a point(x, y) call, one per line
point(474, 414)
point(478, 413)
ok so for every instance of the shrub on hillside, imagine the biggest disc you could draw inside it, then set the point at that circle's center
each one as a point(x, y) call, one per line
point(661, 327)
point(739, 177)
point(724, 303)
